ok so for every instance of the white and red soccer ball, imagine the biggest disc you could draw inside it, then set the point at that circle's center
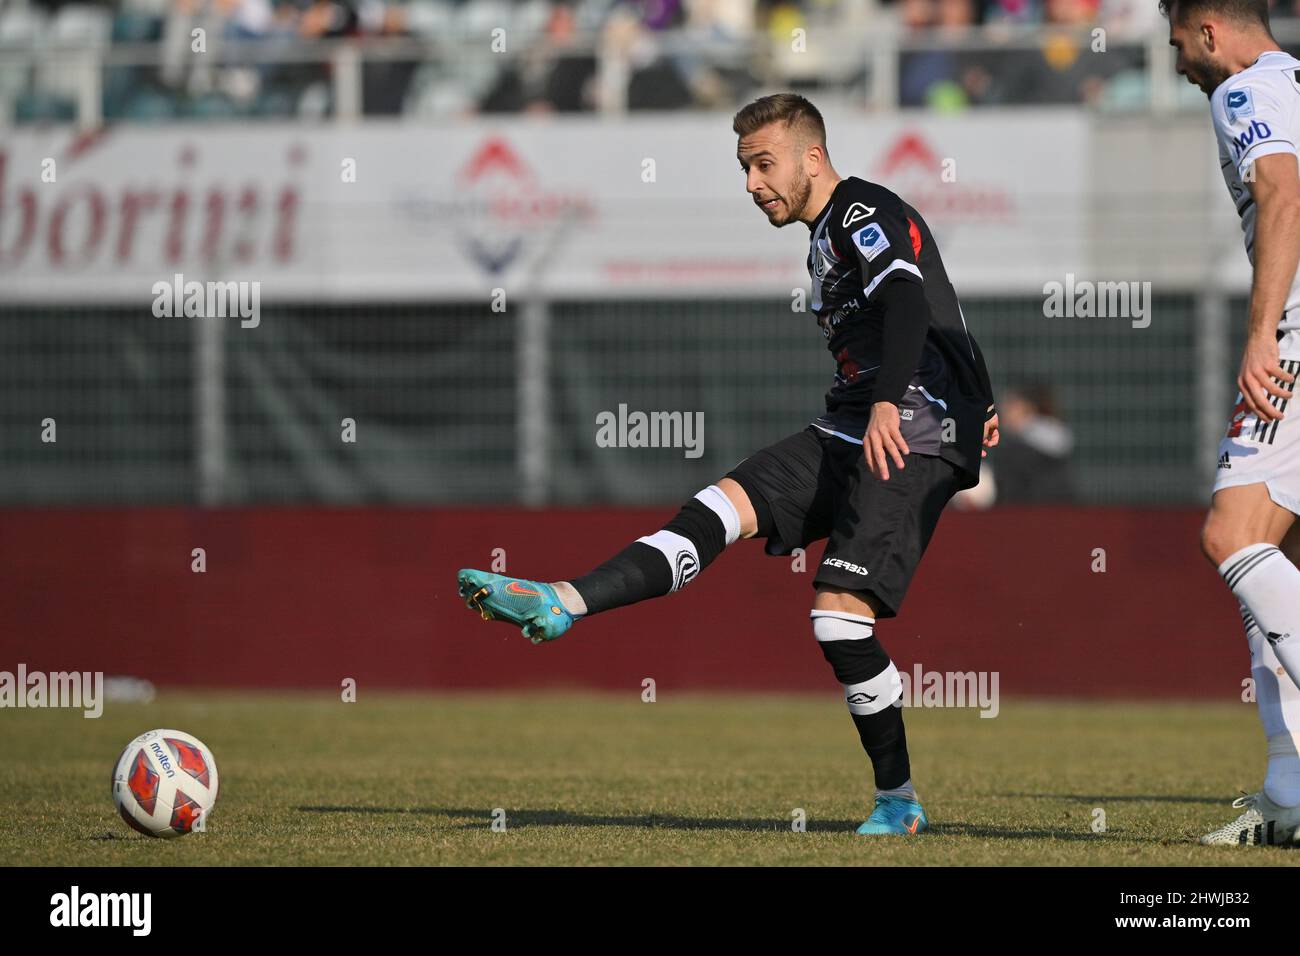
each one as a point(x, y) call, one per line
point(165, 783)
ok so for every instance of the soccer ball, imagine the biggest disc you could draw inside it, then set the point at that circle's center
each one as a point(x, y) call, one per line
point(165, 783)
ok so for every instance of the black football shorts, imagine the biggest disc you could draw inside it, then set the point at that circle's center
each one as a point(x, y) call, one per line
point(813, 485)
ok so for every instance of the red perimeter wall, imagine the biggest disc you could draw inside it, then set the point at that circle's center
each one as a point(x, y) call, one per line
point(306, 598)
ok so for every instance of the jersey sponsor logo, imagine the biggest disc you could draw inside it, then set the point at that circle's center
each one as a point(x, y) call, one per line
point(1239, 104)
point(871, 241)
point(1258, 131)
point(857, 212)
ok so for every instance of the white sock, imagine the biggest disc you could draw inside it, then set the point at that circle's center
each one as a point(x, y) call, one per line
point(905, 791)
point(1261, 577)
point(1279, 713)
point(570, 598)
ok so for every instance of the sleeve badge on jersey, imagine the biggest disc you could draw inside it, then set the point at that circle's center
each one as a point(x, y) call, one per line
point(856, 213)
point(1239, 104)
point(871, 241)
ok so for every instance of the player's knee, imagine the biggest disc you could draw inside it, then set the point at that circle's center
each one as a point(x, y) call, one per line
point(845, 601)
point(870, 680)
point(739, 500)
point(700, 531)
point(1221, 539)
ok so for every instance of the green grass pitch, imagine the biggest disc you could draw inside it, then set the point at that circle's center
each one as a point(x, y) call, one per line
point(606, 779)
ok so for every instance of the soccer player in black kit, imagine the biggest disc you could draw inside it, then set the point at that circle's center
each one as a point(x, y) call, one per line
point(907, 421)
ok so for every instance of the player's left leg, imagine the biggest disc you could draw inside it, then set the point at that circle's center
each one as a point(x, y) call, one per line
point(844, 625)
point(1278, 700)
point(1279, 703)
point(1241, 538)
point(1257, 495)
point(880, 531)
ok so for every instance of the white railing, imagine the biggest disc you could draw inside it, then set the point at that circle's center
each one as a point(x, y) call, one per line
point(840, 59)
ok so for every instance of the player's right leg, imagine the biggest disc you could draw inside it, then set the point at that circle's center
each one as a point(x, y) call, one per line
point(651, 566)
point(776, 490)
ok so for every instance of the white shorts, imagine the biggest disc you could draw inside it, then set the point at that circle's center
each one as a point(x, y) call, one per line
point(1255, 451)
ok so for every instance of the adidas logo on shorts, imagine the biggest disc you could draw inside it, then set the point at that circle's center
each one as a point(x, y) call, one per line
point(1224, 461)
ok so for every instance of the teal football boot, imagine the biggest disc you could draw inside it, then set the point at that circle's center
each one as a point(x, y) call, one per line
point(532, 605)
point(896, 815)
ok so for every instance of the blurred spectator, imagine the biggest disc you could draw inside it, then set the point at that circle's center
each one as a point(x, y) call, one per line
point(384, 83)
point(945, 77)
point(660, 14)
point(192, 26)
point(1012, 11)
point(555, 73)
point(1032, 460)
point(328, 18)
point(615, 55)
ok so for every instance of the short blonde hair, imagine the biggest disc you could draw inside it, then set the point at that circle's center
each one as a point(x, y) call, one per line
point(792, 109)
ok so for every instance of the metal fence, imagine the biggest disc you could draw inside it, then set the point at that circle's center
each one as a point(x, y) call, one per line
point(442, 71)
point(454, 404)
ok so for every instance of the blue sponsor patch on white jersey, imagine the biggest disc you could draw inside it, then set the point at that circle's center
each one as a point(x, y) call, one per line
point(1239, 104)
point(871, 241)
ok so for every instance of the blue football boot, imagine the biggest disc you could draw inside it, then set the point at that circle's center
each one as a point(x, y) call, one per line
point(532, 605)
point(896, 815)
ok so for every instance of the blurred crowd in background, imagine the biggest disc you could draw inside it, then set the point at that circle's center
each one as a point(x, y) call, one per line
point(437, 58)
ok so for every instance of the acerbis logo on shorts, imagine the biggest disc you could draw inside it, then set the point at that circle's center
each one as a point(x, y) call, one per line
point(846, 565)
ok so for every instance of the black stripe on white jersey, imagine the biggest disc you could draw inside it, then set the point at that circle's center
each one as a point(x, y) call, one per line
point(1291, 368)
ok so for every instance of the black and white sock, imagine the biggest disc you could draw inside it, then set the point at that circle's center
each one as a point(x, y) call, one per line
point(871, 688)
point(666, 561)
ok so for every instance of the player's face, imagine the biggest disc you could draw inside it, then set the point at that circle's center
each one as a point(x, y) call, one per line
point(774, 173)
point(1196, 59)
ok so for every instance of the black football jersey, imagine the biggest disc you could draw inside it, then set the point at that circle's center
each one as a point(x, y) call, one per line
point(865, 238)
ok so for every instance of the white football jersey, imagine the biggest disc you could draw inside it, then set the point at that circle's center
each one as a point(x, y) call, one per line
point(1257, 112)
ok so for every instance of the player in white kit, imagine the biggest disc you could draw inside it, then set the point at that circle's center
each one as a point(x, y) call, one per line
point(1225, 47)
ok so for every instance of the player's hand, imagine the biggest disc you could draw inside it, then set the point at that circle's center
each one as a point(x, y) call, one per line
point(991, 436)
point(1259, 367)
point(883, 440)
